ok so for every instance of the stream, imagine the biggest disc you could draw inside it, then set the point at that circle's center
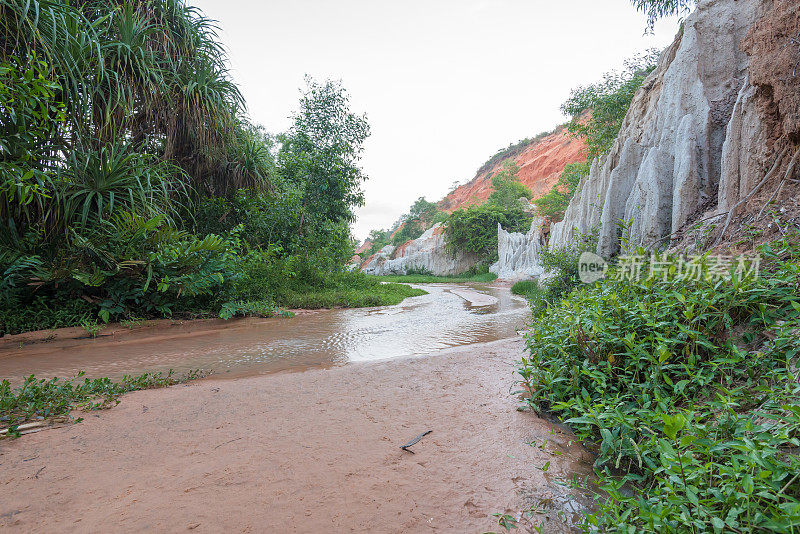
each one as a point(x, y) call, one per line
point(449, 315)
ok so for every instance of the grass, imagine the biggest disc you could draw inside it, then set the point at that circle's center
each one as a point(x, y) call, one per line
point(374, 294)
point(430, 279)
point(525, 287)
point(40, 398)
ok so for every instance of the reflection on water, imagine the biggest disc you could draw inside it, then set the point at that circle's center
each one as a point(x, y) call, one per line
point(419, 325)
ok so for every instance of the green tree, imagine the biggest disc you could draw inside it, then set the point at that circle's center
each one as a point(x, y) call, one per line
point(320, 155)
point(606, 102)
point(379, 239)
point(421, 216)
point(555, 202)
point(124, 149)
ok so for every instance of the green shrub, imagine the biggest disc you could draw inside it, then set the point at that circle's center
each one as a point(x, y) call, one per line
point(40, 313)
point(561, 267)
point(524, 287)
point(422, 271)
point(506, 187)
point(474, 229)
point(690, 388)
point(555, 202)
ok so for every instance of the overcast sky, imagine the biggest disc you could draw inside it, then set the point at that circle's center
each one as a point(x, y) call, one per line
point(444, 83)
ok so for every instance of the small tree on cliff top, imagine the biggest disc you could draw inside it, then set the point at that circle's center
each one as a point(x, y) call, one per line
point(657, 9)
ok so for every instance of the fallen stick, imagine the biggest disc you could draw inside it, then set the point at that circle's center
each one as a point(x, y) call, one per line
point(25, 426)
point(415, 441)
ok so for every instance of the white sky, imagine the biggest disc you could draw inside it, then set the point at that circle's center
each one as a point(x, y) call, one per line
point(444, 83)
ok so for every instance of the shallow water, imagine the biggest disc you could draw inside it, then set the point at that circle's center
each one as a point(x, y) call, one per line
point(449, 315)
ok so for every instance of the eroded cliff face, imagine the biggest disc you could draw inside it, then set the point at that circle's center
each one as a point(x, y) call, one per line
point(540, 164)
point(427, 252)
point(700, 131)
point(518, 253)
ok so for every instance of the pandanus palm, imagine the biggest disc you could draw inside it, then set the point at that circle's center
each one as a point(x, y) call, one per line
point(96, 184)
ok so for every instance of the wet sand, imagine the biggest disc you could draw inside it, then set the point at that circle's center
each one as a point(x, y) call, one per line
point(311, 451)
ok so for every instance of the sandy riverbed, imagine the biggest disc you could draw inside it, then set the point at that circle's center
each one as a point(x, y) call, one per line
point(311, 451)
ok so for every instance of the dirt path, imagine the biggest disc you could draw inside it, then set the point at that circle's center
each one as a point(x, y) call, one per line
point(312, 451)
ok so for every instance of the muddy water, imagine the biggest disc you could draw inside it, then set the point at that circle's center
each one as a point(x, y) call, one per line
point(449, 315)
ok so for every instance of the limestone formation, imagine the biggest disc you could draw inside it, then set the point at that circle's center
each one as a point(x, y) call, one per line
point(428, 252)
point(691, 139)
point(518, 254)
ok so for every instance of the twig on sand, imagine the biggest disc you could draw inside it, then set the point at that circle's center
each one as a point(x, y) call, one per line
point(415, 441)
point(23, 427)
point(231, 441)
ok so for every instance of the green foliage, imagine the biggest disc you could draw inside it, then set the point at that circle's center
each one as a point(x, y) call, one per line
point(43, 312)
point(56, 397)
point(555, 202)
point(657, 9)
point(269, 218)
point(132, 184)
point(506, 188)
point(128, 264)
point(319, 155)
point(269, 279)
point(421, 216)
point(689, 387)
point(378, 239)
point(356, 292)
point(421, 271)
point(474, 229)
point(524, 287)
point(250, 308)
point(563, 274)
point(607, 101)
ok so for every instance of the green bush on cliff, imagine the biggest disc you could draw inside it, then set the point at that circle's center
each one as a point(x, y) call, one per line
point(507, 190)
point(608, 101)
point(555, 202)
point(657, 9)
point(419, 218)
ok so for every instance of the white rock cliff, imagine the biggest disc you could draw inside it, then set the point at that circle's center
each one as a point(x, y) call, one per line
point(428, 252)
point(518, 254)
point(691, 140)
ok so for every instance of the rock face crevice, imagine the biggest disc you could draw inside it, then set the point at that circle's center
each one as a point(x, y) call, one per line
point(690, 140)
